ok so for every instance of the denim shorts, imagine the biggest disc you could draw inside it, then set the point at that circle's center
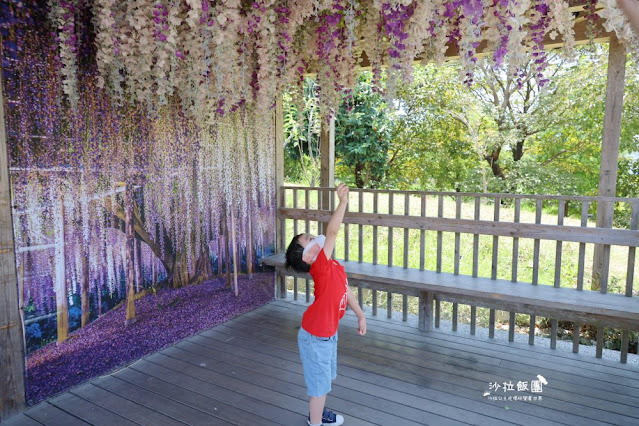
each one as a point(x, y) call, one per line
point(319, 361)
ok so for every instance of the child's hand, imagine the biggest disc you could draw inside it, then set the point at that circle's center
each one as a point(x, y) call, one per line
point(361, 325)
point(342, 193)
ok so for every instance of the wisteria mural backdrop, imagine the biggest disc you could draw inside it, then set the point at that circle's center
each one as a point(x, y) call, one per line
point(117, 207)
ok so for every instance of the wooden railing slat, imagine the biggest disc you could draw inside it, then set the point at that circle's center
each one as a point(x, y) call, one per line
point(515, 259)
point(360, 236)
point(440, 214)
point(513, 278)
point(476, 238)
point(494, 266)
point(577, 198)
point(537, 231)
point(625, 339)
point(630, 272)
point(390, 231)
point(422, 236)
point(582, 248)
point(346, 237)
point(576, 337)
point(458, 204)
point(535, 278)
point(375, 201)
point(295, 206)
point(307, 205)
point(559, 248)
point(495, 258)
point(375, 302)
point(406, 230)
point(600, 341)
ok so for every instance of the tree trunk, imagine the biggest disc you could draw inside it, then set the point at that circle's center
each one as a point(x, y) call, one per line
point(130, 254)
point(249, 246)
point(84, 298)
point(175, 263)
point(518, 152)
point(227, 253)
point(138, 265)
point(359, 179)
point(492, 159)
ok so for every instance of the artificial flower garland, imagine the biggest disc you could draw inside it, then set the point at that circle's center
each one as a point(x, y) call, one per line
point(218, 55)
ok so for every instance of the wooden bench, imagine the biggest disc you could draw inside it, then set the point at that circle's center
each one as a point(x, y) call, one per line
point(612, 310)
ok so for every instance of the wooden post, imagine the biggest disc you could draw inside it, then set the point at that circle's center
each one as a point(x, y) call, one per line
point(609, 155)
point(327, 157)
point(12, 352)
point(130, 249)
point(279, 169)
point(61, 297)
point(279, 284)
point(425, 311)
point(84, 291)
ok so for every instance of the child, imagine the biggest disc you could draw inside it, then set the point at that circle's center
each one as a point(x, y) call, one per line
point(317, 338)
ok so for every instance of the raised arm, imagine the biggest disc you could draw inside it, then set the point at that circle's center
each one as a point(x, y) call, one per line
point(336, 220)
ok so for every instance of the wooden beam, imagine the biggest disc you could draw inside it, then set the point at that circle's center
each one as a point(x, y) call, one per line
point(609, 155)
point(279, 168)
point(12, 352)
point(620, 237)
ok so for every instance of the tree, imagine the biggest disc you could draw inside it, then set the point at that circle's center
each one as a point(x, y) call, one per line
point(432, 148)
point(363, 129)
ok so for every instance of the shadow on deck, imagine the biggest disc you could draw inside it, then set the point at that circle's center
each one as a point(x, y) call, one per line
point(247, 371)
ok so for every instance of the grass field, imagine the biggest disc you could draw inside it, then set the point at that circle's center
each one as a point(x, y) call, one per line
point(547, 260)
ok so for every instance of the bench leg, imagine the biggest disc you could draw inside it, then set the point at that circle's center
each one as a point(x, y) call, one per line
point(280, 285)
point(425, 310)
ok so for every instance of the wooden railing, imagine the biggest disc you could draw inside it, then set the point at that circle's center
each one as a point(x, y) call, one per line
point(488, 235)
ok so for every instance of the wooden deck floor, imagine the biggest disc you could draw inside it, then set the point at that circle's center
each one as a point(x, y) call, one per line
point(247, 372)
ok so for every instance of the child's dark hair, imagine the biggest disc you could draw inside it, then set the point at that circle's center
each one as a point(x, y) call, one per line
point(294, 256)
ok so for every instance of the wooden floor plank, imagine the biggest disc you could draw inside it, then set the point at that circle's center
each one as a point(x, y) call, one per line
point(227, 391)
point(416, 397)
point(124, 407)
point(88, 411)
point(48, 414)
point(423, 377)
point(197, 405)
point(360, 398)
point(518, 349)
point(623, 384)
point(567, 401)
point(247, 371)
point(277, 393)
point(541, 352)
point(157, 402)
point(21, 420)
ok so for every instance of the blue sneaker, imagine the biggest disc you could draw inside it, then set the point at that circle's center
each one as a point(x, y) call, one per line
point(329, 418)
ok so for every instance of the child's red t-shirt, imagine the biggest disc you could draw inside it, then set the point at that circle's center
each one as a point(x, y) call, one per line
point(321, 319)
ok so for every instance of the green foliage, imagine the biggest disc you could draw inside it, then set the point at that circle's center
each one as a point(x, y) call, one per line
point(363, 136)
point(302, 135)
point(442, 135)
